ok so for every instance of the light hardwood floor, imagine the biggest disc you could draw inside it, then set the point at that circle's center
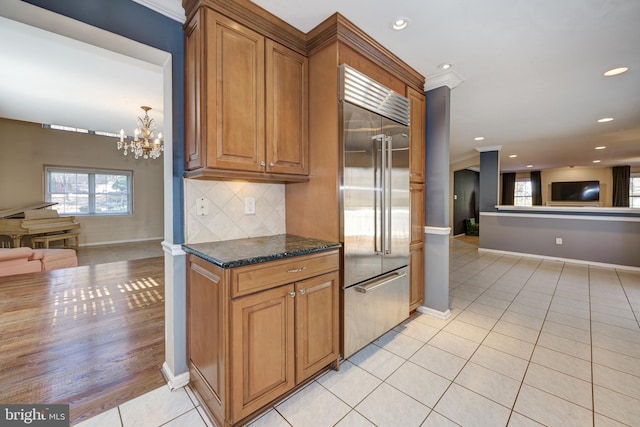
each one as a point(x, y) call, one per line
point(90, 336)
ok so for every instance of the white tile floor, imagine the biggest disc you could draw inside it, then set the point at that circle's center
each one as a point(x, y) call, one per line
point(529, 342)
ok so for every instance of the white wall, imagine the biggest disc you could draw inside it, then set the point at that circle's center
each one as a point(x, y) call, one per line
point(26, 147)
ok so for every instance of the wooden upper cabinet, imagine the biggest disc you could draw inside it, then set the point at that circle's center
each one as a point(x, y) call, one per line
point(286, 110)
point(246, 102)
point(194, 143)
point(236, 70)
point(417, 129)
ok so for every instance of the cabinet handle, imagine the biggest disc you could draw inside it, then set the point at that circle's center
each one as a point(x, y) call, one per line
point(292, 294)
point(297, 270)
point(262, 163)
point(271, 164)
point(302, 291)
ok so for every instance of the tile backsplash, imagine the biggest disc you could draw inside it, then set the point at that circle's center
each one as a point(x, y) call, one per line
point(225, 202)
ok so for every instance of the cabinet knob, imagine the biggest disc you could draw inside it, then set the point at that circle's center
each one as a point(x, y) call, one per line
point(302, 291)
point(262, 163)
point(292, 294)
point(271, 164)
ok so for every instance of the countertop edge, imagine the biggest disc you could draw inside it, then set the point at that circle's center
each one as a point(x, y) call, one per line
point(261, 259)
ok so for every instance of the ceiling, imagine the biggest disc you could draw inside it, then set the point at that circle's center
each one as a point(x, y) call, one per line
point(527, 76)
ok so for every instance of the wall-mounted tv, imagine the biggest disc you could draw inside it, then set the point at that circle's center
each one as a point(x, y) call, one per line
point(575, 191)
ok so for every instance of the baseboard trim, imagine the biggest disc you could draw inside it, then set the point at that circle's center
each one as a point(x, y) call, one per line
point(444, 315)
point(174, 382)
point(552, 258)
point(119, 242)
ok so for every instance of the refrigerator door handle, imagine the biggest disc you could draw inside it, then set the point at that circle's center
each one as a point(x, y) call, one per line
point(387, 192)
point(379, 204)
point(380, 282)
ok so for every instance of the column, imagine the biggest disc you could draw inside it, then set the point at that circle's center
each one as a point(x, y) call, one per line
point(437, 230)
point(489, 177)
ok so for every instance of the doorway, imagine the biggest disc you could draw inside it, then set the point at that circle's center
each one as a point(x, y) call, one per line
point(466, 190)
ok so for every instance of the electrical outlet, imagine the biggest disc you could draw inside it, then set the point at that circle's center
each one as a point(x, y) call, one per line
point(558, 240)
point(202, 207)
point(249, 206)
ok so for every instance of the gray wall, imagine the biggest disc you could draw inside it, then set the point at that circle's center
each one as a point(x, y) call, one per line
point(489, 174)
point(609, 240)
point(466, 188)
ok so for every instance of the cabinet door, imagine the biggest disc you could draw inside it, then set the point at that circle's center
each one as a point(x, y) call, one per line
point(416, 259)
point(416, 131)
point(205, 331)
point(235, 95)
point(416, 283)
point(262, 349)
point(317, 334)
point(286, 110)
point(416, 195)
point(194, 35)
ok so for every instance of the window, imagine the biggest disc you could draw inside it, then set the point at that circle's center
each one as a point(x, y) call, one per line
point(634, 192)
point(522, 193)
point(89, 192)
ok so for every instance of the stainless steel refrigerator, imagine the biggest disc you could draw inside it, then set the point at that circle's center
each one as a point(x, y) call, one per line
point(375, 211)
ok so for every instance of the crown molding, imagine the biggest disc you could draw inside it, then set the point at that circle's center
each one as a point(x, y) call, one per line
point(449, 78)
point(170, 8)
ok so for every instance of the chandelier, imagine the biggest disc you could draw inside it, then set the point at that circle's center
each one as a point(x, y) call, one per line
point(144, 144)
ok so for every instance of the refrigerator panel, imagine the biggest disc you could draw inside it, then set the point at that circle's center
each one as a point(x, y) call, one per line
point(374, 307)
point(398, 220)
point(361, 195)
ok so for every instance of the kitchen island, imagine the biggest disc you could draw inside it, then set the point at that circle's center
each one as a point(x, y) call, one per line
point(586, 234)
point(262, 320)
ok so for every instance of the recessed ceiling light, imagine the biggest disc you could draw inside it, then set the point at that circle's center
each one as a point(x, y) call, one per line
point(616, 71)
point(478, 138)
point(529, 166)
point(513, 156)
point(400, 24)
point(605, 119)
point(596, 161)
point(445, 66)
point(601, 147)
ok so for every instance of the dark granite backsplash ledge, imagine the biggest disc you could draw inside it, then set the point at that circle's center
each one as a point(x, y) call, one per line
point(254, 250)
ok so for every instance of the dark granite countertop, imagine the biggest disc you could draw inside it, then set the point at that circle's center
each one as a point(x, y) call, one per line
point(254, 250)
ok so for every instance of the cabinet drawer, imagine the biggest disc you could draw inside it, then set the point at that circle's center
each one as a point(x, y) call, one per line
point(257, 277)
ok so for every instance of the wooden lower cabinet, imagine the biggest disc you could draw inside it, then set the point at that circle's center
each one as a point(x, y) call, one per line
point(262, 349)
point(416, 282)
point(316, 325)
point(246, 352)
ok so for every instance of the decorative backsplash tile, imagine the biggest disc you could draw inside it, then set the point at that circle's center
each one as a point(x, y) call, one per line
point(226, 219)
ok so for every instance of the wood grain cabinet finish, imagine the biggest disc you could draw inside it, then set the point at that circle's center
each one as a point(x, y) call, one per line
point(417, 136)
point(246, 103)
point(245, 352)
point(416, 251)
point(417, 196)
point(262, 349)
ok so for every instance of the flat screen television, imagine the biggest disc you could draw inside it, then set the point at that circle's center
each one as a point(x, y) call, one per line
point(575, 191)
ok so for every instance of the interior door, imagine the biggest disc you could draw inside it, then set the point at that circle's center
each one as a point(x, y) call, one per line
point(361, 195)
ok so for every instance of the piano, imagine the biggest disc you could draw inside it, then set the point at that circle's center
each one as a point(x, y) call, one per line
point(32, 221)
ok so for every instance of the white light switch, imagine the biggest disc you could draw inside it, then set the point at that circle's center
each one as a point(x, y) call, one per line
point(202, 207)
point(249, 206)
point(558, 240)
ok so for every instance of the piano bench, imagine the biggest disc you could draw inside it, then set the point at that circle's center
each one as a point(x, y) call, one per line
point(43, 241)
